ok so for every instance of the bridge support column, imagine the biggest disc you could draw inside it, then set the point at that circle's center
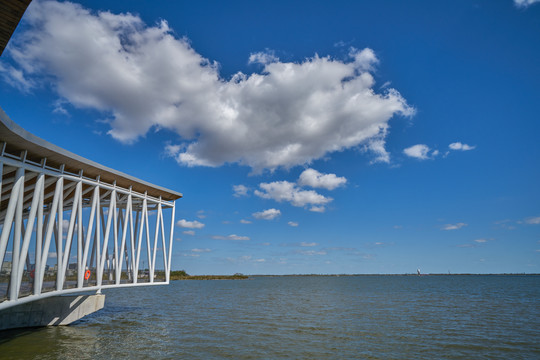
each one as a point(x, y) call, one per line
point(57, 310)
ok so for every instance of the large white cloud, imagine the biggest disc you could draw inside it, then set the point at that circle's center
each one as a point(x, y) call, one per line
point(143, 77)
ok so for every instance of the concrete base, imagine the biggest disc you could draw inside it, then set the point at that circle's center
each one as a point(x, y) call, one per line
point(57, 310)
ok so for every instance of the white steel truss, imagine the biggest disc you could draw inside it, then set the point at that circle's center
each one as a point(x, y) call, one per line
point(65, 232)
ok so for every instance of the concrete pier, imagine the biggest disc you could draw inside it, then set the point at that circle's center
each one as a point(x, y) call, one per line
point(57, 310)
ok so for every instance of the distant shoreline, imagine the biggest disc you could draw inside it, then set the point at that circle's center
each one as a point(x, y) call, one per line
point(410, 274)
point(244, 277)
point(209, 277)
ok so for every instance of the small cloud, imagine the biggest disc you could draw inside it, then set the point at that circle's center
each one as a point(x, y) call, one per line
point(480, 241)
point(524, 3)
point(292, 223)
point(290, 192)
point(419, 151)
point(201, 250)
point(263, 58)
point(454, 226)
point(308, 244)
point(231, 237)
point(59, 108)
point(460, 146)
point(240, 190)
point(201, 214)
point(191, 255)
point(268, 214)
point(243, 221)
point(314, 179)
point(319, 209)
point(533, 220)
point(377, 147)
point(312, 252)
point(266, 244)
point(189, 232)
point(190, 224)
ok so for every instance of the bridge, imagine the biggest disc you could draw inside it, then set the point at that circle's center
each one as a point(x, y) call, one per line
point(70, 227)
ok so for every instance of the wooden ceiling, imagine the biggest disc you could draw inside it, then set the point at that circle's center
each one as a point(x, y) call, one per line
point(11, 12)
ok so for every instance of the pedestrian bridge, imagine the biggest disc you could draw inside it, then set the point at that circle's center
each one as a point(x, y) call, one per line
point(69, 225)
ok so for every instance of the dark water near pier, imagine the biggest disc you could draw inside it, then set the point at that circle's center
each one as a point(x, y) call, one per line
point(349, 317)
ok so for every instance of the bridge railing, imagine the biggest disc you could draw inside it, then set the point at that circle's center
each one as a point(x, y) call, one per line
point(62, 232)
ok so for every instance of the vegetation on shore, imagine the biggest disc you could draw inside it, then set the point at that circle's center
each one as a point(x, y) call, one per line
point(182, 275)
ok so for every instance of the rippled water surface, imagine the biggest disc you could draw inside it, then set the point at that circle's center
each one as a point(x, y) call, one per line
point(304, 317)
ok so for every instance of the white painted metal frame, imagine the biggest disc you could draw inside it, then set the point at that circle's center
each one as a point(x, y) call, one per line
point(36, 214)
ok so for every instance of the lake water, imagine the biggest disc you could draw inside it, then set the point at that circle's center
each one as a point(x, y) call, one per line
point(303, 317)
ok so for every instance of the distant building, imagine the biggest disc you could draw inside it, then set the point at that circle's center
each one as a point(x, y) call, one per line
point(6, 268)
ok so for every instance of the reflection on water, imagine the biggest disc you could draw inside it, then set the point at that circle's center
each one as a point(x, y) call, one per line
point(361, 317)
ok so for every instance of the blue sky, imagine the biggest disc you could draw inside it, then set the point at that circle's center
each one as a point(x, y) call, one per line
point(306, 137)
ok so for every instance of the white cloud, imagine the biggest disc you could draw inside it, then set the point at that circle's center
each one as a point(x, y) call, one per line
point(16, 78)
point(144, 78)
point(454, 226)
point(303, 243)
point(312, 252)
point(240, 190)
point(201, 250)
point(196, 255)
point(292, 223)
point(533, 220)
point(263, 58)
point(460, 146)
point(480, 241)
point(419, 151)
point(288, 191)
point(201, 214)
point(189, 232)
point(525, 3)
point(243, 221)
point(315, 179)
point(244, 259)
point(231, 237)
point(268, 214)
point(377, 147)
point(190, 224)
point(319, 209)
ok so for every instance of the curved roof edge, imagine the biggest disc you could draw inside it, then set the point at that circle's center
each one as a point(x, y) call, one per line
point(18, 139)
